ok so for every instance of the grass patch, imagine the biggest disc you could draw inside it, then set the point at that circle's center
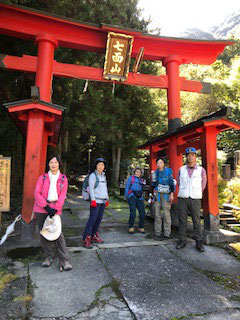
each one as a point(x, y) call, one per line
point(107, 212)
point(124, 219)
point(24, 253)
point(116, 204)
point(235, 298)
point(30, 259)
point(188, 316)
point(236, 229)
point(229, 282)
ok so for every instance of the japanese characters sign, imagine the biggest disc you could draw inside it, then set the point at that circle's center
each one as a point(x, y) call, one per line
point(117, 58)
point(5, 172)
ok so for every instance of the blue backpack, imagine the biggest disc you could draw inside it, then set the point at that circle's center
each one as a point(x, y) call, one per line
point(85, 188)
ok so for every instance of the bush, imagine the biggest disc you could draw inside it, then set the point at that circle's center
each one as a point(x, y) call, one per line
point(232, 192)
point(222, 185)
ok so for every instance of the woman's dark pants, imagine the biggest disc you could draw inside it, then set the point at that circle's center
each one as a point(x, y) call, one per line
point(47, 246)
point(135, 203)
point(94, 220)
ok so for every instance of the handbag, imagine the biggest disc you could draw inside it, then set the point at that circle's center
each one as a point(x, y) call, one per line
point(163, 188)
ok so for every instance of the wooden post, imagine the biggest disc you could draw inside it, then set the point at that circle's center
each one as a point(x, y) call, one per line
point(5, 173)
point(209, 158)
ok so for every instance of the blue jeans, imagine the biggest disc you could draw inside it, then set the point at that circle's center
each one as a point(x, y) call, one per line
point(133, 204)
point(94, 220)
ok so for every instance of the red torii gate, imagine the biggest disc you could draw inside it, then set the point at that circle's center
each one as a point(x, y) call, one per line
point(50, 31)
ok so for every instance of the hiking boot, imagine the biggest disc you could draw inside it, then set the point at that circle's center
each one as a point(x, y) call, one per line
point(199, 246)
point(181, 244)
point(166, 237)
point(87, 243)
point(96, 238)
point(131, 230)
point(46, 263)
point(141, 230)
point(66, 266)
point(157, 237)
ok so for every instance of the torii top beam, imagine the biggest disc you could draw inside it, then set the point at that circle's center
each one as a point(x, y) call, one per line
point(25, 23)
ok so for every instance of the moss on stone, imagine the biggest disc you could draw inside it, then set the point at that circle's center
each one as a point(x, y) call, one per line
point(26, 299)
point(5, 279)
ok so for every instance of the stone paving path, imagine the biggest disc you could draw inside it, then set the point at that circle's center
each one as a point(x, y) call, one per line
point(131, 277)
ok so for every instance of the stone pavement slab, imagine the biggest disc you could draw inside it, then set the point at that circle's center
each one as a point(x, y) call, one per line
point(66, 294)
point(213, 259)
point(157, 284)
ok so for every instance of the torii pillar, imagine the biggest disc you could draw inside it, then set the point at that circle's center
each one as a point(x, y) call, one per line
point(37, 121)
point(174, 119)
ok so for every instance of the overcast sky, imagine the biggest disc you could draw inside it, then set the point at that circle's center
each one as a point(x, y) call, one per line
point(174, 16)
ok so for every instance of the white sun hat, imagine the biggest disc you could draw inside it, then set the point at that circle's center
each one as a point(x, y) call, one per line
point(52, 228)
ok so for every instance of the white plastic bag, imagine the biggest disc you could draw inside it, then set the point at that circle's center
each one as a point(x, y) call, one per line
point(10, 229)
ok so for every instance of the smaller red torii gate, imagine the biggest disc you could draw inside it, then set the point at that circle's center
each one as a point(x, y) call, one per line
point(201, 134)
point(40, 120)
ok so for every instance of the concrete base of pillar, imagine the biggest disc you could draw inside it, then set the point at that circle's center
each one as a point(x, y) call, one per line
point(212, 237)
point(28, 231)
point(212, 232)
point(222, 235)
point(211, 222)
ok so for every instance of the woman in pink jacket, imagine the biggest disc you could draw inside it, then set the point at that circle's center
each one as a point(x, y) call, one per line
point(50, 194)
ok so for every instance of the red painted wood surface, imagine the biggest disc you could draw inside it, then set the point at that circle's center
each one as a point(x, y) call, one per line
point(33, 159)
point(174, 103)
point(29, 64)
point(209, 154)
point(44, 67)
point(25, 23)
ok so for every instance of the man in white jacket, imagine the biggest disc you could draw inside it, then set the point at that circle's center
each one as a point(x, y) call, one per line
point(192, 180)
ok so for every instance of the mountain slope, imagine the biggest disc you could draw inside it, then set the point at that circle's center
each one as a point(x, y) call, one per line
point(226, 29)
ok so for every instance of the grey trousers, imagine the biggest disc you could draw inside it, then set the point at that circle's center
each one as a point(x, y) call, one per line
point(193, 206)
point(48, 246)
point(162, 216)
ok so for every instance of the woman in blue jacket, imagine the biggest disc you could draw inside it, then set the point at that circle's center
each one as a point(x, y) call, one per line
point(163, 183)
point(134, 196)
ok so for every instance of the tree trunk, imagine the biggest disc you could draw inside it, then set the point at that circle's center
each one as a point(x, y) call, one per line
point(116, 159)
point(117, 168)
point(17, 164)
point(65, 141)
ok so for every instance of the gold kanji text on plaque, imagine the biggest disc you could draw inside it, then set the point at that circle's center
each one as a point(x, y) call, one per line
point(118, 55)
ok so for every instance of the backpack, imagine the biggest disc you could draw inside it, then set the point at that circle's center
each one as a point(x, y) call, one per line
point(138, 194)
point(85, 188)
point(62, 180)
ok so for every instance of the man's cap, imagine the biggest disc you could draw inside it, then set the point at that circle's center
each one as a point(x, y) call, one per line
point(191, 150)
